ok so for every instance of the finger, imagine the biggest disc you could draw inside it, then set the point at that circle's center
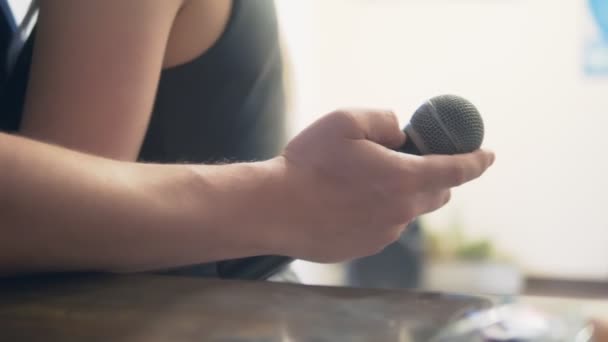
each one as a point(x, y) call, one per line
point(446, 171)
point(431, 201)
point(393, 234)
point(381, 127)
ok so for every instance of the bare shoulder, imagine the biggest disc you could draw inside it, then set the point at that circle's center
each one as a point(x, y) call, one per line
point(198, 25)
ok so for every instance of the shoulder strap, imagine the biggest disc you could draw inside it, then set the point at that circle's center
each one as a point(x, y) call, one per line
point(20, 36)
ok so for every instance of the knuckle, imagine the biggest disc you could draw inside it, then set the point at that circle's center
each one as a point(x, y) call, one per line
point(447, 197)
point(402, 208)
point(344, 117)
point(391, 117)
point(437, 199)
point(379, 241)
point(394, 234)
point(442, 199)
point(409, 210)
point(405, 214)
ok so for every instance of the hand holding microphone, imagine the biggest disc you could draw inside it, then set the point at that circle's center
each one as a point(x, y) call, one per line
point(354, 192)
point(351, 181)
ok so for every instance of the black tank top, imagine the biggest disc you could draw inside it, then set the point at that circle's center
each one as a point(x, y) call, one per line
point(225, 105)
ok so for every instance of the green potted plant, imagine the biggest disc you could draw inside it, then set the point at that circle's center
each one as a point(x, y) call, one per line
point(457, 262)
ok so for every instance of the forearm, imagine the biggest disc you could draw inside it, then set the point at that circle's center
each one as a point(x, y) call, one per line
point(63, 210)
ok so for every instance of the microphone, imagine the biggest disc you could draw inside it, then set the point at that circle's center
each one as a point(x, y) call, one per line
point(445, 124)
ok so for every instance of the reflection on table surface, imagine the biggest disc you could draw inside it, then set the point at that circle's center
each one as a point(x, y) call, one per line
point(163, 308)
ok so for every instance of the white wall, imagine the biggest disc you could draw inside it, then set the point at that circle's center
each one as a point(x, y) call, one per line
point(546, 199)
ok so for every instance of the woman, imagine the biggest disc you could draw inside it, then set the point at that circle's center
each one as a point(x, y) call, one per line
point(166, 81)
point(156, 81)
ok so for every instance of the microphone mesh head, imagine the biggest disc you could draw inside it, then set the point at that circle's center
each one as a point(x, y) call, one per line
point(448, 124)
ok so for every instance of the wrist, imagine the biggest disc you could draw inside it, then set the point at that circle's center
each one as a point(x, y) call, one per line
point(242, 205)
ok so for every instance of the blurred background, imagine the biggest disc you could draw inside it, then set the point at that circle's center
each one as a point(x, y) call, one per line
point(538, 72)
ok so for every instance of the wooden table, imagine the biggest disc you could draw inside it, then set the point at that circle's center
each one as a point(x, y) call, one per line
point(165, 308)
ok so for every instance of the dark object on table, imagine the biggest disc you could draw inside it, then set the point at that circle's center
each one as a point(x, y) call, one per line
point(400, 265)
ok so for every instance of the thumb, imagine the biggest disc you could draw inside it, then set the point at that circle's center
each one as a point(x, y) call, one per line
point(379, 126)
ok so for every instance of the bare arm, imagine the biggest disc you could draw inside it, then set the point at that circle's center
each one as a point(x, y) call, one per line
point(63, 210)
point(95, 70)
point(337, 192)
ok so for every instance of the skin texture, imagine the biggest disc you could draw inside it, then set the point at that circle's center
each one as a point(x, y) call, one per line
point(338, 180)
point(96, 67)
